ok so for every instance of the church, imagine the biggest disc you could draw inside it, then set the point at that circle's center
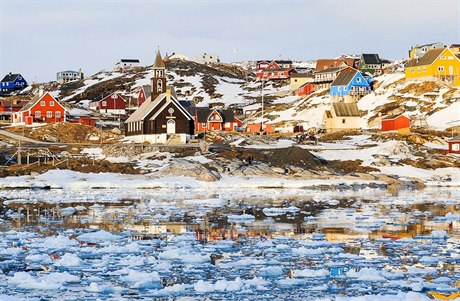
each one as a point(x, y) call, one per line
point(161, 118)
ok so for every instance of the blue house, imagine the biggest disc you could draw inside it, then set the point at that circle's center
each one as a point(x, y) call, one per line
point(12, 82)
point(349, 86)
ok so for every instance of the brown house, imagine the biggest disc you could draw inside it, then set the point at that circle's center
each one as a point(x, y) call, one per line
point(161, 117)
point(323, 64)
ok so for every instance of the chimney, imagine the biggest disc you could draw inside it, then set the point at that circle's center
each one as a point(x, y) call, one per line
point(168, 94)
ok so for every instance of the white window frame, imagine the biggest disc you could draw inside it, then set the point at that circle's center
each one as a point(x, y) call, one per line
point(51, 103)
point(57, 114)
point(38, 114)
point(49, 114)
point(42, 103)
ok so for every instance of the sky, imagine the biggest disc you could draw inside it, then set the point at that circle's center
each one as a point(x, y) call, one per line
point(39, 38)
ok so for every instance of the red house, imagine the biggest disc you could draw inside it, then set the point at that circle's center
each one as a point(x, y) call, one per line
point(8, 107)
point(111, 104)
point(144, 93)
point(306, 89)
point(399, 123)
point(87, 120)
point(207, 119)
point(257, 128)
point(43, 108)
point(274, 70)
point(454, 145)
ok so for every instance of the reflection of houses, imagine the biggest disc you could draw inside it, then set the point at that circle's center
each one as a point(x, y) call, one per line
point(439, 63)
point(44, 108)
point(68, 76)
point(349, 86)
point(342, 116)
point(207, 119)
point(399, 123)
point(454, 145)
point(161, 117)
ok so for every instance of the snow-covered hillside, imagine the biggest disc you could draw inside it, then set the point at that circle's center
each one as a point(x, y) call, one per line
point(228, 85)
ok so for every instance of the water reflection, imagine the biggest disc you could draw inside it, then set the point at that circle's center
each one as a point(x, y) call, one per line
point(341, 217)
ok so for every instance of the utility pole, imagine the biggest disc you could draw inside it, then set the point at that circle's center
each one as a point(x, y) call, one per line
point(262, 91)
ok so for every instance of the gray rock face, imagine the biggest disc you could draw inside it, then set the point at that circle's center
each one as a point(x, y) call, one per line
point(182, 167)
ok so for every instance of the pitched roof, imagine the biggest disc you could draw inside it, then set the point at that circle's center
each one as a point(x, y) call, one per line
point(229, 115)
point(344, 78)
point(392, 117)
point(322, 64)
point(10, 77)
point(278, 69)
point(454, 139)
point(202, 114)
point(331, 70)
point(9, 103)
point(145, 108)
point(342, 109)
point(147, 90)
point(130, 61)
point(31, 103)
point(427, 59)
point(301, 75)
point(454, 45)
point(158, 61)
point(371, 59)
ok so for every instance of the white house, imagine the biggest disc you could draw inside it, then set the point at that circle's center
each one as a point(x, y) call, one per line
point(206, 59)
point(126, 64)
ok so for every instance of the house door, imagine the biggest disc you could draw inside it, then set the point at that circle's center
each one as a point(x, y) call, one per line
point(451, 70)
point(171, 127)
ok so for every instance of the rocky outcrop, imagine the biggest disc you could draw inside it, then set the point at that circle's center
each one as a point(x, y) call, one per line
point(185, 168)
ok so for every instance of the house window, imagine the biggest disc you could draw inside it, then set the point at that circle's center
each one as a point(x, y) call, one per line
point(412, 71)
point(49, 114)
point(51, 103)
point(456, 147)
point(358, 79)
point(419, 70)
point(441, 68)
point(38, 114)
point(442, 57)
point(104, 103)
point(344, 120)
point(344, 88)
point(424, 69)
point(58, 114)
point(42, 103)
point(204, 125)
point(450, 58)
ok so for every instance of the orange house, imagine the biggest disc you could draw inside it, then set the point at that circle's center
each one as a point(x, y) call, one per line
point(43, 108)
point(399, 123)
point(257, 128)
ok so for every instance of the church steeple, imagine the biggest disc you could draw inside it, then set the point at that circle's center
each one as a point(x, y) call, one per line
point(159, 77)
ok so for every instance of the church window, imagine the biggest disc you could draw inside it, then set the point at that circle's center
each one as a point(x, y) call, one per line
point(159, 85)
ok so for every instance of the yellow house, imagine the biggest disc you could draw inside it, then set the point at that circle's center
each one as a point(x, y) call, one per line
point(435, 64)
point(455, 48)
point(299, 79)
point(342, 116)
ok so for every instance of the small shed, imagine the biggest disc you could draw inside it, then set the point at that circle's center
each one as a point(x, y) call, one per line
point(257, 128)
point(87, 120)
point(454, 145)
point(399, 123)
